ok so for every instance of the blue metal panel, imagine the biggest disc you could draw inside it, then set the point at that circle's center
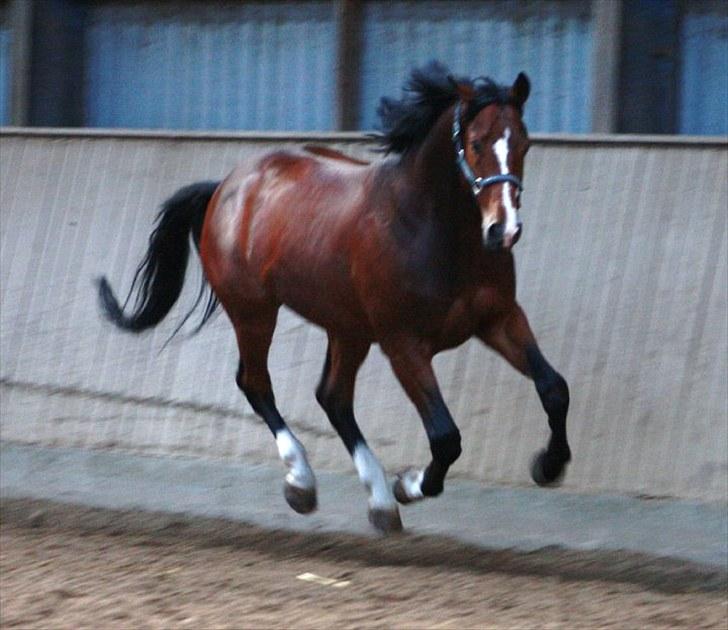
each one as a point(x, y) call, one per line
point(252, 65)
point(550, 40)
point(703, 88)
point(5, 71)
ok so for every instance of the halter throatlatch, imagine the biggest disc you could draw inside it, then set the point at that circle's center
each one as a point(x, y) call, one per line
point(477, 184)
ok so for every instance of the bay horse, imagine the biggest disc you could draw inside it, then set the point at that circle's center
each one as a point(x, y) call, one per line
point(412, 252)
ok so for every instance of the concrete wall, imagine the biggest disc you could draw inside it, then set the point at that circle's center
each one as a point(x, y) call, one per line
point(622, 270)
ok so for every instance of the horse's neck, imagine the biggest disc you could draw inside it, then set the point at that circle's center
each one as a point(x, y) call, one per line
point(433, 167)
point(440, 201)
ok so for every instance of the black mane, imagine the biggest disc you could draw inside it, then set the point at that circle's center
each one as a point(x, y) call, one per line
point(428, 92)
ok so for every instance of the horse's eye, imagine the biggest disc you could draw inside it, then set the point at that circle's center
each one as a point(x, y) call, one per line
point(477, 147)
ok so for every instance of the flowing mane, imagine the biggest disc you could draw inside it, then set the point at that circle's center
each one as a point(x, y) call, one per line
point(428, 92)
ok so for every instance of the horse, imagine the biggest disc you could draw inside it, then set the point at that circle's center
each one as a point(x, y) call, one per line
point(412, 252)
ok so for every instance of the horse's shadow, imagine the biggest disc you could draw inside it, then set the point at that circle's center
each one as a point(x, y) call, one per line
point(663, 575)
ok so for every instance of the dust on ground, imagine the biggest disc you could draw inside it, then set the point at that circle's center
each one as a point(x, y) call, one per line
point(68, 566)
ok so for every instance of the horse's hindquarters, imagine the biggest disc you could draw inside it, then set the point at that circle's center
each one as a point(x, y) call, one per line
point(281, 233)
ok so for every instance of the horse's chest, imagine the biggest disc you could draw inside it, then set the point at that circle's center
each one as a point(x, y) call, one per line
point(458, 325)
point(468, 313)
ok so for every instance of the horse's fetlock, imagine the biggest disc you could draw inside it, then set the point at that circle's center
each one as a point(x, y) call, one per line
point(431, 488)
point(565, 454)
point(446, 448)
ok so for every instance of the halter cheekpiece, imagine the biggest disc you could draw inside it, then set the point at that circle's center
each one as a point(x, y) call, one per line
point(477, 184)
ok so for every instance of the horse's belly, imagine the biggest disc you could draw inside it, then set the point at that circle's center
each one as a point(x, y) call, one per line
point(318, 287)
point(307, 267)
point(330, 309)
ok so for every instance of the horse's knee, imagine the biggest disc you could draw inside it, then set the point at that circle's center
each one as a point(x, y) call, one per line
point(446, 448)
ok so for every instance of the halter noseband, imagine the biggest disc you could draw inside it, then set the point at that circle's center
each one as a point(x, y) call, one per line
point(476, 183)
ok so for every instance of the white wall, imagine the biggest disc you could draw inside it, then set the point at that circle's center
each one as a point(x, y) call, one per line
point(622, 270)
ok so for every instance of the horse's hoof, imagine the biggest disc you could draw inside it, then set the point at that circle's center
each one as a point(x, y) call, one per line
point(385, 521)
point(546, 470)
point(407, 479)
point(302, 500)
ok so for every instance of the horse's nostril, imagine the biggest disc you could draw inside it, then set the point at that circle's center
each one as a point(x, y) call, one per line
point(496, 232)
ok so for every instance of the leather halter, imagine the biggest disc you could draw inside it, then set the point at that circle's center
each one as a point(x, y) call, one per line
point(477, 184)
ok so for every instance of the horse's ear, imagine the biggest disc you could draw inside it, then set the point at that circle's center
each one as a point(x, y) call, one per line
point(465, 90)
point(521, 89)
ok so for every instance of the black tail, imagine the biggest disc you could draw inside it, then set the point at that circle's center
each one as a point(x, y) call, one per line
point(159, 278)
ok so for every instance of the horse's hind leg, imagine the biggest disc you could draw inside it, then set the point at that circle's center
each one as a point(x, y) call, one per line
point(335, 394)
point(513, 339)
point(254, 336)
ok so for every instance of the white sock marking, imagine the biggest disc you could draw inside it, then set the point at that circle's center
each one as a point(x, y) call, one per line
point(373, 477)
point(294, 457)
point(412, 483)
point(500, 148)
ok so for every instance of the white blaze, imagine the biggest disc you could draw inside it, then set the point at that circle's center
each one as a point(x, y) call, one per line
point(500, 148)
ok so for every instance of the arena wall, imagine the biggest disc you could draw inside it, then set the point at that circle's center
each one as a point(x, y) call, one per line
point(622, 270)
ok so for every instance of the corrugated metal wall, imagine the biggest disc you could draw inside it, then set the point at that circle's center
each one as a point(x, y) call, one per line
point(704, 71)
point(272, 65)
point(622, 270)
point(5, 69)
point(550, 40)
point(252, 65)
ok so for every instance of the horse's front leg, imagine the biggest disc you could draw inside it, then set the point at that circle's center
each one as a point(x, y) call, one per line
point(411, 361)
point(511, 336)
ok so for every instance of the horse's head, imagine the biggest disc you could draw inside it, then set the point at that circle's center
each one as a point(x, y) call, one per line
point(491, 145)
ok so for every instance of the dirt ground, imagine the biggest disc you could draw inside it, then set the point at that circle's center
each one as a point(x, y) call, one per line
point(70, 567)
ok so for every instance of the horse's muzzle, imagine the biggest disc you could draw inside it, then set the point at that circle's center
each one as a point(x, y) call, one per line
point(496, 237)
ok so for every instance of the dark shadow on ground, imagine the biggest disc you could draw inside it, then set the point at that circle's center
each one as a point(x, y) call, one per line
point(156, 529)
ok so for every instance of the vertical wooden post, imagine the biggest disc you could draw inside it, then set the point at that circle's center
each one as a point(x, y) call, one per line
point(56, 70)
point(47, 63)
point(21, 24)
point(348, 56)
point(606, 47)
